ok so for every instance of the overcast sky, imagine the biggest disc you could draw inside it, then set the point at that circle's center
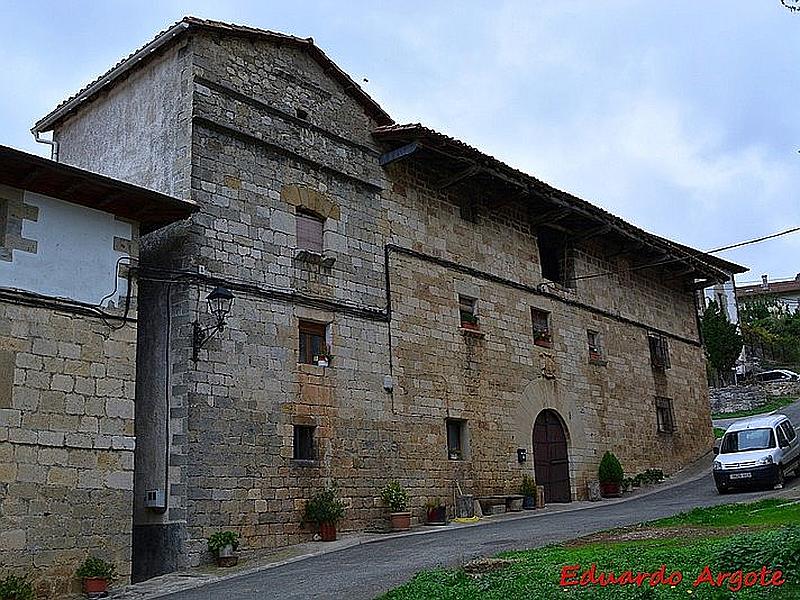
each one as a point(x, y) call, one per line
point(679, 116)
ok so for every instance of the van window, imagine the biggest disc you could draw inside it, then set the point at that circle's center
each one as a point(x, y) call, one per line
point(748, 439)
point(790, 432)
point(782, 441)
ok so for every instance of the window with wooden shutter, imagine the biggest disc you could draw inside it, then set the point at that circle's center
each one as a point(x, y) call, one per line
point(665, 417)
point(312, 342)
point(309, 232)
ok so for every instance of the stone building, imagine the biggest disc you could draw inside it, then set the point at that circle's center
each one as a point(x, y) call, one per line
point(67, 364)
point(406, 307)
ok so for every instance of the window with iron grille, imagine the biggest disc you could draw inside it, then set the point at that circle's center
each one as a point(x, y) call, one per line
point(541, 328)
point(313, 343)
point(456, 438)
point(665, 417)
point(309, 231)
point(659, 352)
point(303, 447)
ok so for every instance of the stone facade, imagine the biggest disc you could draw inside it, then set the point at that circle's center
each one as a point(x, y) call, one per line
point(66, 444)
point(272, 133)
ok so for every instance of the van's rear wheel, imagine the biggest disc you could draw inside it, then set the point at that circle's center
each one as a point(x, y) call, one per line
point(780, 476)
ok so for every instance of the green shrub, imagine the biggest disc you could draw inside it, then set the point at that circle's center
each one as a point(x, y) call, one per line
point(528, 487)
point(15, 587)
point(325, 507)
point(395, 497)
point(94, 567)
point(775, 549)
point(610, 470)
point(219, 540)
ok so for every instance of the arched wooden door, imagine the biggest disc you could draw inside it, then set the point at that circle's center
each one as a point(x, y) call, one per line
point(550, 459)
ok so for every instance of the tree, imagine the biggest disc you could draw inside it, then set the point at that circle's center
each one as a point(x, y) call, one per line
point(722, 340)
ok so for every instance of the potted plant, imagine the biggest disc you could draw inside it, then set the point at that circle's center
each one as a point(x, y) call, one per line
point(437, 512)
point(395, 497)
point(610, 475)
point(223, 545)
point(325, 509)
point(96, 574)
point(528, 492)
point(542, 338)
point(469, 321)
point(324, 358)
point(15, 587)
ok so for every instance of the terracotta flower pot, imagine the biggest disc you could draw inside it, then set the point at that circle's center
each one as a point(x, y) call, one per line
point(437, 515)
point(95, 585)
point(327, 531)
point(227, 557)
point(610, 490)
point(401, 521)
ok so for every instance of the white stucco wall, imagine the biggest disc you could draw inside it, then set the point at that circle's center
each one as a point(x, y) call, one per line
point(75, 255)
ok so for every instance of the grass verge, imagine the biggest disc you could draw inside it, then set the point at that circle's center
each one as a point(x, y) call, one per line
point(725, 538)
point(774, 404)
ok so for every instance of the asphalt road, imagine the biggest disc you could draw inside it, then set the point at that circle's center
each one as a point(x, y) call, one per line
point(368, 570)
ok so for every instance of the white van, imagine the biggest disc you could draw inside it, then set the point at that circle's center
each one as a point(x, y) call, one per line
point(757, 451)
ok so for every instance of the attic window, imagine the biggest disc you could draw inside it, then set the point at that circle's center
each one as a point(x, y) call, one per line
point(554, 257)
point(301, 114)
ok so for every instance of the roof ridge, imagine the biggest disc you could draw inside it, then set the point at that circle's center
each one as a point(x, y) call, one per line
point(134, 59)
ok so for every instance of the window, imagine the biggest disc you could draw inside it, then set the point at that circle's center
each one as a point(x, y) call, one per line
point(747, 439)
point(456, 438)
point(303, 448)
point(301, 113)
point(659, 351)
point(309, 232)
point(313, 344)
point(665, 418)
point(593, 339)
point(554, 257)
point(782, 441)
point(468, 311)
point(789, 430)
point(541, 328)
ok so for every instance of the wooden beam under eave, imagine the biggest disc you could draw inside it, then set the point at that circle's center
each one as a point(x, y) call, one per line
point(470, 171)
point(594, 232)
point(551, 216)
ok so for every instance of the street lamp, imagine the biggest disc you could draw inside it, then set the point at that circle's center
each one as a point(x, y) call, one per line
point(219, 303)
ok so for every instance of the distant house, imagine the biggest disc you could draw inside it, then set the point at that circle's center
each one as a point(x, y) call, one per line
point(68, 241)
point(781, 295)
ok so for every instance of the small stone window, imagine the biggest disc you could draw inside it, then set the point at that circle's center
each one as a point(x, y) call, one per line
point(659, 352)
point(593, 341)
point(665, 417)
point(309, 231)
point(541, 328)
point(456, 439)
point(303, 447)
point(468, 312)
point(301, 113)
point(313, 344)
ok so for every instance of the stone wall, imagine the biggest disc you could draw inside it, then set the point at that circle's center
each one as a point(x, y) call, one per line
point(734, 398)
point(66, 443)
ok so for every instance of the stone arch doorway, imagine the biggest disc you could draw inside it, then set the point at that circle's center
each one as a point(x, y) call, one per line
point(550, 458)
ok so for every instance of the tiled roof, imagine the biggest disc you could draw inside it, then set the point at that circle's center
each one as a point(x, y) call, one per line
point(136, 58)
point(773, 287)
point(418, 132)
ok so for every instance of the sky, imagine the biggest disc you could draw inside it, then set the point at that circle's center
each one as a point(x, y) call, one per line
point(678, 116)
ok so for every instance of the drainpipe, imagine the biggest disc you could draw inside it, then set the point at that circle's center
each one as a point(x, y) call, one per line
point(37, 135)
